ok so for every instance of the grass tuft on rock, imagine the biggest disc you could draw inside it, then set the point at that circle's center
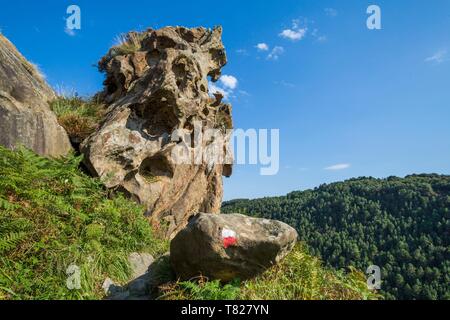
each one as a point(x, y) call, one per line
point(53, 216)
point(79, 117)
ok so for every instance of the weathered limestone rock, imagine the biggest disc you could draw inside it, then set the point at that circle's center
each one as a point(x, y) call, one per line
point(25, 116)
point(227, 247)
point(156, 84)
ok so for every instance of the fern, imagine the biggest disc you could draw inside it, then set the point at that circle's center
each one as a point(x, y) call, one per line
point(46, 208)
point(6, 205)
point(10, 241)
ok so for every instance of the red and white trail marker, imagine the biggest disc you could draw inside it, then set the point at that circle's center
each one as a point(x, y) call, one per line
point(229, 238)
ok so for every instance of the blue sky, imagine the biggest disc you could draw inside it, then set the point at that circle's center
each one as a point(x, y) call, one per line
point(362, 102)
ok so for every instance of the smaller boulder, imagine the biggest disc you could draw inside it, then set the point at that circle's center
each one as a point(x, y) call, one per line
point(140, 263)
point(228, 247)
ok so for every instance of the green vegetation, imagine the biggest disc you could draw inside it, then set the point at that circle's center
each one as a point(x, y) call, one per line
point(299, 277)
point(200, 289)
point(53, 216)
point(398, 224)
point(126, 43)
point(79, 117)
point(149, 177)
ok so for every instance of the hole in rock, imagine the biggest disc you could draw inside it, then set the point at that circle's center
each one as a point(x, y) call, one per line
point(153, 57)
point(157, 115)
point(155, 168)
point(184, 71)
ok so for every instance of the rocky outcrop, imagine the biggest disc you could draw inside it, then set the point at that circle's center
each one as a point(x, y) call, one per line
point(227, 247)
point(157, 90)
point(25, 116)
point(147, 275)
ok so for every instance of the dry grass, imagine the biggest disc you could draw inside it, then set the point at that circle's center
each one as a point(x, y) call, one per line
point(127, 43)
point(79, 117)
point(302, 277)
point(299, 277)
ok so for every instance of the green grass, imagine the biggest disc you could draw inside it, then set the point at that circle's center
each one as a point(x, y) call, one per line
point(53, 216)
point(299, 277)
point(79, 117)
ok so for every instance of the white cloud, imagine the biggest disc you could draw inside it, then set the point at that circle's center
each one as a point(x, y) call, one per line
point(229, 82)
point(438, 57)
point(262, 46)
point(227, 86)
point(213, 88)
point(331, 12)
point(275, 53)
point(337, 167)
point(294, 35)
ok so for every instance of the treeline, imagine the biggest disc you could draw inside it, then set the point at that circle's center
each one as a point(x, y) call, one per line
point(400, 224)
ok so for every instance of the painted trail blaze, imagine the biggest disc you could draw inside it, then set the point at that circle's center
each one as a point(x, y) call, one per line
point(229, 238)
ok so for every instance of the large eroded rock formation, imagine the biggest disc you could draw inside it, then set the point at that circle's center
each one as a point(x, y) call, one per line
point(156, 83)
point(25, 116)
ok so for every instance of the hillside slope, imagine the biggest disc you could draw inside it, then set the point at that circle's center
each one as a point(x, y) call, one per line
point(53, 216)
point(401, 225)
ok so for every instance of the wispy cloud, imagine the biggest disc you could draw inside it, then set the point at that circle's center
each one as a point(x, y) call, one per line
point(295, 33)
point(214, 88)
point(438, 57)
point(244, 93)
point(242, 52)
point(322, 38)
point(285, 84)
point(338, 167)
point(275, 53)
point(331, 12)
point(319, 37)
point(262, 46)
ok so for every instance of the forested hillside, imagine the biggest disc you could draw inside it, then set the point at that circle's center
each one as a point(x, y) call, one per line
point(400, 224)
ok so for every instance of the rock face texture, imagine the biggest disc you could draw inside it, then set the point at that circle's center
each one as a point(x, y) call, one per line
point(157, 84)
point(226, 247)
point(25, 116)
